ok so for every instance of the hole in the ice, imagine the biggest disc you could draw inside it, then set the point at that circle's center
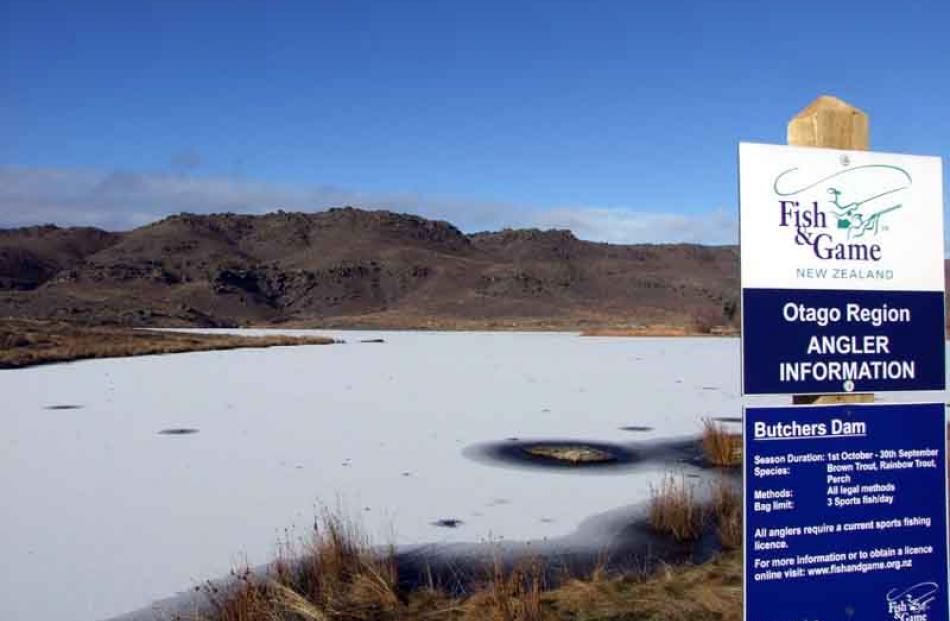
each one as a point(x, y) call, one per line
point(559, 454)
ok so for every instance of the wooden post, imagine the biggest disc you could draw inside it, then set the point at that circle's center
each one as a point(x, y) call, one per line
point(833, 124)
point(830, 123)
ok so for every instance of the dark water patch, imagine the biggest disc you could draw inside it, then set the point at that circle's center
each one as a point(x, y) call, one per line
point(728, 419)
point(559, 454)
point(64, 406)
point(636, 428)
point(515, 454)
point(448, 523)
point(178, 431)
point(629, 545)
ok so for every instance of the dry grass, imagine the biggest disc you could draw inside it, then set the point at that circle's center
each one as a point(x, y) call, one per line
point(674, 510)
point(343, 574)
point(341, 577)
point(708, 592)
point(336, 575)
point(245, 600)
point(721, 448)
point(507, 594)
point(727, 508)
point(686, 328)
point(26, 343)
point(568, 320)
point(648, 330)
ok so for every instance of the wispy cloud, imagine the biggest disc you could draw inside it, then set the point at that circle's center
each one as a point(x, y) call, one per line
point(123, 199)
point(630, 226)
point(120, 200)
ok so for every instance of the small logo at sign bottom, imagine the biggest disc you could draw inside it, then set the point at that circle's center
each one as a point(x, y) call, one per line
point(912, 603)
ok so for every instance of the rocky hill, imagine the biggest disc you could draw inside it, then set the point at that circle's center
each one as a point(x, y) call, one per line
point(349, 267)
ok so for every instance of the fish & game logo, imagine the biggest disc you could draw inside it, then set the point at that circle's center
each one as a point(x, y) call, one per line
point(856, 207)
point(913, 603)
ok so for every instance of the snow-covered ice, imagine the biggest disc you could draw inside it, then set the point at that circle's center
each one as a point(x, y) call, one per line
point(102, 514)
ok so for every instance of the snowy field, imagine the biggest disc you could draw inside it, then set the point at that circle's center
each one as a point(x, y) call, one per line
point(102, 514)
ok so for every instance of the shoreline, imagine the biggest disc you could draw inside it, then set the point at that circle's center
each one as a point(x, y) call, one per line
point(28, 343)
point(579, 329)
point(618, 545)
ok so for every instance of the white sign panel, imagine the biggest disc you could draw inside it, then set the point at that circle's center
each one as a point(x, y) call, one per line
point(851, 220)
point(842, 271)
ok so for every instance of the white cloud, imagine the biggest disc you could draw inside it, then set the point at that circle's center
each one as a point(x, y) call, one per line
point(120, 200)
point(625, 226)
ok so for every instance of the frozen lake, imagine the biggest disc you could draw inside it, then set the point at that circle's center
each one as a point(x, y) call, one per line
point(103, 514)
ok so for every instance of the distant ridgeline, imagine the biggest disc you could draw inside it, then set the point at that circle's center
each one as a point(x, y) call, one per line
point(349, 267)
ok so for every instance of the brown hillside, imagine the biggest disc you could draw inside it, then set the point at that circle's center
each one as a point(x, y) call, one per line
point(352, 267)
point(31, 256)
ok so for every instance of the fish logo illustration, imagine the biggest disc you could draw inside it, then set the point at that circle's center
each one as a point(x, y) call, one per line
point(912, 603)
point(839, 216)
point(855, 217)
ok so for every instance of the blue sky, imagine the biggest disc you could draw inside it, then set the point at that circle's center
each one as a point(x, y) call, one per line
point(617, 119)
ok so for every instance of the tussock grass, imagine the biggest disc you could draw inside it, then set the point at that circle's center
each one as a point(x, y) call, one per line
point(26, 343)
point(720, 447)
point(339, 573)
point(727, 509)
point(340, 576)
point(674, 509)
point(708, 592)
point(509, 595)
point(244, 600)
point(335, 576)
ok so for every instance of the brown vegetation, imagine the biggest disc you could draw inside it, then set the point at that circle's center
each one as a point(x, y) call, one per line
point(510, 595)
point(721, 447)
point(692, 329)
point(708, 592)
point(575, 454)
point(340, 577)
point(727, 509)
point(674, 509)
point(26, 342)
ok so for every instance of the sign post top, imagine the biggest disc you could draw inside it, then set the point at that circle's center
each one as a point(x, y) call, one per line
point(831, 123)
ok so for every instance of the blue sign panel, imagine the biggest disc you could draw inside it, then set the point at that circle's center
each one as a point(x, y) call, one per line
point(846, 513)
point(801, 341)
